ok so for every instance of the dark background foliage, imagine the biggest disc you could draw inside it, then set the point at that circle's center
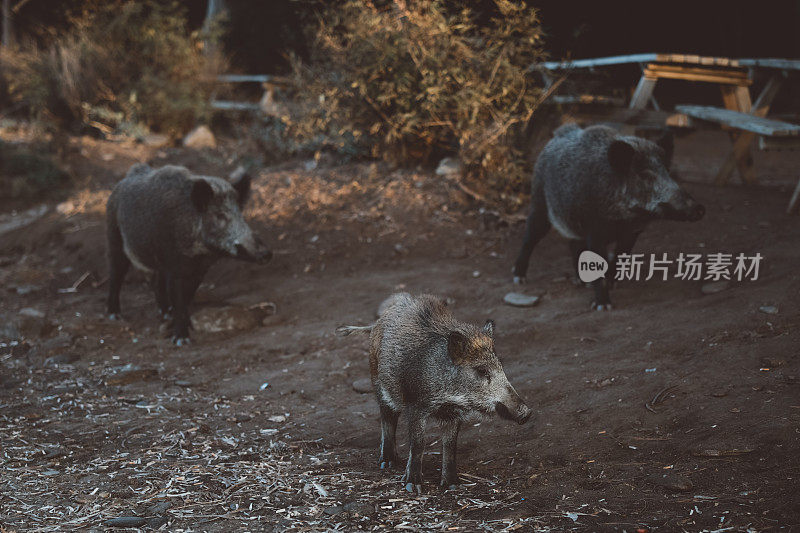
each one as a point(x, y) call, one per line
point(263, 32)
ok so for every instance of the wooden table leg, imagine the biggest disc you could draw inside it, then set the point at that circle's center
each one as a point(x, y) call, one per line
point(738, 99)
point(744, 142)
point(795, 197)
point(643, 92)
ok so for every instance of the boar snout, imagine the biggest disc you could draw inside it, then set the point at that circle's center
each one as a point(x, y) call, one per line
point(684, 209)
point(513, 409)
point(257, 253)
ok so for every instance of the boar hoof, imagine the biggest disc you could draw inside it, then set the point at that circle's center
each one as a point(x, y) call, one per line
point(181, 341)
point(601, 307)
point(520, 280)
point(386, 465)
point(166, 316)
point(114, 316)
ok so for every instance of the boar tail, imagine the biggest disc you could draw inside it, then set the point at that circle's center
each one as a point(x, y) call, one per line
point(344, 331)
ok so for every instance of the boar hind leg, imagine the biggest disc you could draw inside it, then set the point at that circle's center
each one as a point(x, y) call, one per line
point(389, 418)
point(416, 432)
point(118, 265)
point(576, 246)
point(449, 439)
point(536, 227)
point(162, 298)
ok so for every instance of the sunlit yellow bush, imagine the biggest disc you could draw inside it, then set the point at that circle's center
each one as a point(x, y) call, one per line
point(121, 64)
point(411, 81)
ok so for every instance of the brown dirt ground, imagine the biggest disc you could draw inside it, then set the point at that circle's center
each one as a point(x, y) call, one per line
point(102, 419)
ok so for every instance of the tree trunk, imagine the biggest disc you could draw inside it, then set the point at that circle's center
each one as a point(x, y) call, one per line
point(8, 36)
point(214, 10)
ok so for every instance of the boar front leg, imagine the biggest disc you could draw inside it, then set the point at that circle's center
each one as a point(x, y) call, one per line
point(625, 243)
point(416, 432)
point(602, 301)
point(118, 265)
point(449, 442)
point(388, 440)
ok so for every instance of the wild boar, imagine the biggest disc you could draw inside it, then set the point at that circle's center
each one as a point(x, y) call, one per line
point(174, 225)
point(597, 187)
point(425, 362)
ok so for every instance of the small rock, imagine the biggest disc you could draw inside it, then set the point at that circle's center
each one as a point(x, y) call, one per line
point(31, 312)
point(450, 166)
point(159, 507)
point(155, 140)
point(362, 386)
point(229, 318)
point(200, 137)
point(183, 383)
point(768, 309)
point(61, 359)
point(14, 221)
point(333, 510)
point(715, 287)
point(517, 299)
point(476, 273)
point(277, 418)
point(157, 521)
point(126, 521)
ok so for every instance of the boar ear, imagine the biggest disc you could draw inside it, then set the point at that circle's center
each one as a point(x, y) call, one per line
point(488, 328)
point(202, 193)
point(620, 156)
point(241, 180)
point(667, 143)
point(457, 346)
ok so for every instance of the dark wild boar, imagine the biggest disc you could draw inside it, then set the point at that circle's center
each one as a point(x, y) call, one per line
point(426, 363)
point(597, 187)
point(174, 225)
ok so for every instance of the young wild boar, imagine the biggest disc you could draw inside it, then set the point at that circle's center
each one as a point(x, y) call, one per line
point(175, 225)
point(425, 362)
point(596, 188)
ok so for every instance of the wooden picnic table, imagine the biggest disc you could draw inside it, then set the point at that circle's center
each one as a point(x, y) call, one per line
point(734, 77)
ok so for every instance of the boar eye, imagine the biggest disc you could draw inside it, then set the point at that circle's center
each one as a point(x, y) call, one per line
point(483, 373)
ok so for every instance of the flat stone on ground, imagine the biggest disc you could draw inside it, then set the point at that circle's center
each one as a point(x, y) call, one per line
point(362, 386)
point(517, 299)
point(714, 287)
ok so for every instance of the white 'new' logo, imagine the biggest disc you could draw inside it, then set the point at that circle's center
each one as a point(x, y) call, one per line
point(591, 266)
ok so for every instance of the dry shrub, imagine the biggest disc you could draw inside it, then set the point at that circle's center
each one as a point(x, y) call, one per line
point(120, 65)
point(409, 82)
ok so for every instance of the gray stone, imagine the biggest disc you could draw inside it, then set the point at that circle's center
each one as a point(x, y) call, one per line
point(362, 386)
point(517, 299)
point(200, 137)
point(450, 166)
point(714, 287)
point(769, 309)
point(31, 312)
